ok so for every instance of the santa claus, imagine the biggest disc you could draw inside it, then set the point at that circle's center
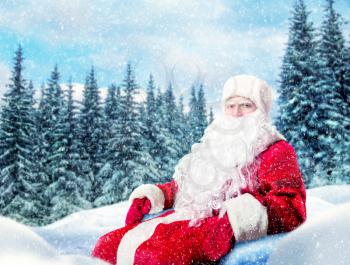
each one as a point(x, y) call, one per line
point(240, 182)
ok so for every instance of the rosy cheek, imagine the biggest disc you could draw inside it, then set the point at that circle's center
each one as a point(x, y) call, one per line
point(228, 111)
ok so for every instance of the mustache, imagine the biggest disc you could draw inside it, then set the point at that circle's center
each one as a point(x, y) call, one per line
point(229, 125)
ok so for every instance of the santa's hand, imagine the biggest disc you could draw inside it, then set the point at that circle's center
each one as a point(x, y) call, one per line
point(219, 239)
point(137, 210)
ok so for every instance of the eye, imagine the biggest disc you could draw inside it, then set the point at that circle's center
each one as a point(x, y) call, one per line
point(246, 105)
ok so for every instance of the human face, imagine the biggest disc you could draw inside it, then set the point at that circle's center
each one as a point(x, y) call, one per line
point(239, 106)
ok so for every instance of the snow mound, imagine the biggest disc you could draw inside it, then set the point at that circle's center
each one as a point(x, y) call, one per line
point(336, 194)
point(78, 233)
point(15, 234)
point(316, 206)
point(20, 245)
point(321, 242)
point(255, 252)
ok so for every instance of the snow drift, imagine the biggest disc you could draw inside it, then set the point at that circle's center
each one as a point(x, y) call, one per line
point(20, 245)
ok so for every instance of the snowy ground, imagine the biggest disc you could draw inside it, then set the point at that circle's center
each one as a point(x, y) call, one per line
point(323, 239)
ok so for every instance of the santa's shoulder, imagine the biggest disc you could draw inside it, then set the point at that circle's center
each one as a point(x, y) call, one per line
point(279, 149)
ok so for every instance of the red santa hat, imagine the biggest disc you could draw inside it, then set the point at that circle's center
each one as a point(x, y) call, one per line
point(250, 87)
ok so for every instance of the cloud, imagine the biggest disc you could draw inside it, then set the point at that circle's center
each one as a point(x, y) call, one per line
point(94, 22)
point(212, 55)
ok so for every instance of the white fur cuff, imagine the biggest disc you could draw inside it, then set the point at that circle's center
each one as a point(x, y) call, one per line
point(151, 192)
point(247, 216)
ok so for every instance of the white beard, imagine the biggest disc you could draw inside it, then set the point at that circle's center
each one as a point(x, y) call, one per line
point(222, 164)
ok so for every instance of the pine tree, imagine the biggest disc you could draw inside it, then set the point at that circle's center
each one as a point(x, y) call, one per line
point(150, 118)
point(74, 144)
point(111, 103)
point(346, 77)
point(38, 170)
point(67, 189)
point(91, 133)
point(150, 130)
point(55, 135)
point(41, 148)
point(162, 150)
point(133, 165)
point(296, 95)
point(197, 116)
point(48, 118)
point(330, 118)
point(110, 116)
point(173, 127)
point(184, 130)
point(346, 83)
point(201, 112)
point(155, 176)
point(192, 116)
point(346, 97)
point(110, 129)
point(111, 189)
point(18, 183)
point(332, 48)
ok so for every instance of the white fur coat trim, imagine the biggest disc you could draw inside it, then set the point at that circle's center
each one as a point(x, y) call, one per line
point(151, 192)
point(247, 216)
point(139, 234)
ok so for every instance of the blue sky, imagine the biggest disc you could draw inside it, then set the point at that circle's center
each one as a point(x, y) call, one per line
point(180, 41)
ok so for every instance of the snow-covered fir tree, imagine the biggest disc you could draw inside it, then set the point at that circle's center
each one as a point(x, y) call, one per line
point(74, 144)
point(56, 134)
point(41, 126)
point(296, 95)
point(19, 185)
point(184, 129)
point(155, 177)
point(330, 119)
point(150, 130)
point(346, 97)
point(201, 111)
point(191, 115)
point(38, 143)
point(68, 191)
point(50, 107)
point(345, 92)
point(171, 122)
point(110, 117)
point(162, 141)
point(132, 162)
point(91, 133)
point(197, 118)
point(109, 124)
point(109, 175)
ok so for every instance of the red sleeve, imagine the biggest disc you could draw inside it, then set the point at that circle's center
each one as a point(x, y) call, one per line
point(169, 190)
point(281, 188)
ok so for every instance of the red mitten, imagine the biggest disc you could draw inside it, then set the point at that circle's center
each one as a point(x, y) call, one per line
point(219, 239)
point(137, 210)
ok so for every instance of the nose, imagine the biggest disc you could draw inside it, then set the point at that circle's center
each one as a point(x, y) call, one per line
point(236, 111)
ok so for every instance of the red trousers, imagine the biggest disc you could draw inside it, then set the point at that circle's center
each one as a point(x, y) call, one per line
point(175, 243)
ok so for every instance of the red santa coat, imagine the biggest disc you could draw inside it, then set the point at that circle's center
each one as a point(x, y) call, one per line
point(276, 205)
